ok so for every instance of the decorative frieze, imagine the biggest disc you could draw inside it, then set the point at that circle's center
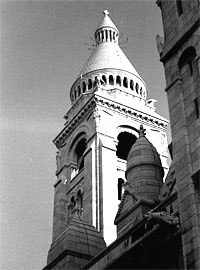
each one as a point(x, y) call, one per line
point(120, 108)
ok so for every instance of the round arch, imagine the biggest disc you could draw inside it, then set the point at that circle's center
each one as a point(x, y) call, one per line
point(125, 142)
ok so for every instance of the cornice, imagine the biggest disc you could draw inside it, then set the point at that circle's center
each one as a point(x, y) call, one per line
point(128, 111)
point(177, 45)
point(113, 105)
point(175, 81)
point(70, 127)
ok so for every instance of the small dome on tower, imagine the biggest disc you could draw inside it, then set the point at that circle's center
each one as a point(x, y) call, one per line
point(106, 22)
point(144, 169)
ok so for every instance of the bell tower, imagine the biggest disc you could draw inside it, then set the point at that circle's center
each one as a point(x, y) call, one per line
point(108, 105)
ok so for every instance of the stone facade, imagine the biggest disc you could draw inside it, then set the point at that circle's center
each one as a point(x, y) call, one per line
point(181, 58)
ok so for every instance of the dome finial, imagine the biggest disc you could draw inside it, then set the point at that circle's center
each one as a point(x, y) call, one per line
point(106, 12)
point(142, 131)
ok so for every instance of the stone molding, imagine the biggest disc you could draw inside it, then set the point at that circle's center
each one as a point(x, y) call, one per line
point(177, 80)
point(117, 107)
point(168, 52)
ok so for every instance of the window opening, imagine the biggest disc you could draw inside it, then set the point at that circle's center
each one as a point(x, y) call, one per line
point(120, 188)
point(71, 207)
point(106, 35)
point(79, 90)
point(195, 178)
point(137, 87)
point(84, 87)
point(125, 82)
point(190, 67)
point(110, 35)
point(102, 35)
point(118, 80)
point(179, 7)
point(95, 82)
point(89, 84)
point(126, 140)
point(111, 80)
point(80, 149)
point(196, 107)
point(188, 59)
point(80, 200)
point(104, 79)
point(131, 84)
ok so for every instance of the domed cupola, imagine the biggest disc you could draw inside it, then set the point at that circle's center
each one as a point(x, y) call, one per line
point(107, 31)
point(108, 67)
point(144, 169)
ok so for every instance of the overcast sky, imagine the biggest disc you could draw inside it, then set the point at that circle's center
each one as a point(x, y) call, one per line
point(42, 52)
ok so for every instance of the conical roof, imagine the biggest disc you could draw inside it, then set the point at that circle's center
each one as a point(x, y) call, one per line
point(107, 53)
point(106, 22)
point(108, 56)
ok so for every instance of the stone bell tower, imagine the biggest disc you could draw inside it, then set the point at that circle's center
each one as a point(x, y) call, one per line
point(108, 105)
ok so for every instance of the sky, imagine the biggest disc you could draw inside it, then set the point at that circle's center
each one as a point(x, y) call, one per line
point(42, 51)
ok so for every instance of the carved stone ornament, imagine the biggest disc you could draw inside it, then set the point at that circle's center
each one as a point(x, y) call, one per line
point(162, 217)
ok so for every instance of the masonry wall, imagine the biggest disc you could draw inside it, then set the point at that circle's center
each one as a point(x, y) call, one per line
point(181, 33)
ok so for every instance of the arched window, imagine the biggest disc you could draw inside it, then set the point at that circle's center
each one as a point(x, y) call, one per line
point(80, 149)
point(95, 82)
point(102, 35)
point(104, 79)
point(77, 150)
point(126, 140)
point(136, 87)
point(84, 87)
point(89, 84)
point(118, 80)
point(106, 35)
point(110, 35)
point(111, 80)
point(179, 7)
point(79, 91)
point(71, 206)
point(120, 188)
point(187, 63)
point(125, 82)
point(189, 72)
point(131, 85)
point(79, 200)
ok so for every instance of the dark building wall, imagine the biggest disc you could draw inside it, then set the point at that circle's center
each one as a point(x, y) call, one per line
point(180, 56)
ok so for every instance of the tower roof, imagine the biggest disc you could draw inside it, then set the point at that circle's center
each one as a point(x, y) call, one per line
point(144, 169)
point(108, 56)
point(78, 237)
point(107, 53)
point(143, 153)
point(106, 22)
